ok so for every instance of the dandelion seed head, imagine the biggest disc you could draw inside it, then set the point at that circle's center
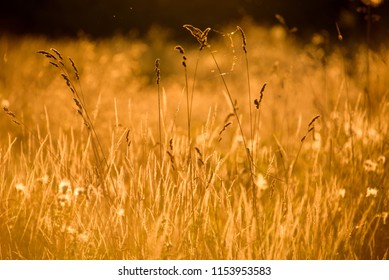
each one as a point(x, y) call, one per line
point(71, 230)
point(83, 237)
point(120, 212)
point(342, 192)
point(371, 192)
point(261, 182)
point(44, 179)
point(79, 191)
point(64, 186)
point(381, 160)
point(370, 166)
point(64, 200)
point(21, 187)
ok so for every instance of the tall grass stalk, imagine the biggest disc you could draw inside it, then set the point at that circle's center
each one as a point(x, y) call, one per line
point(244, 47)
point(189, 101)
point(103, 169)
point(247, 150)
point(158, 80)
point(202, 38)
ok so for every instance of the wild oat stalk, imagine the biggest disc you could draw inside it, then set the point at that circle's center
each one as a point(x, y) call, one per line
point(56, 60)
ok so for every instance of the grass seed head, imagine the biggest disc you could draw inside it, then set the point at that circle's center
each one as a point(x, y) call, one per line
point(180, 49)
point(47, 54)
point(74, 68)
point(54, 64)
point(128, 137)
point(171, 144)
point(244, 41)
point(257, 102)
point(157, 71)
point(313, 121)
point(201, 36)
point(57, 53)
point(222, 130)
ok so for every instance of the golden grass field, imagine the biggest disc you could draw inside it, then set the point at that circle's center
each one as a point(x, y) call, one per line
point(98, 160)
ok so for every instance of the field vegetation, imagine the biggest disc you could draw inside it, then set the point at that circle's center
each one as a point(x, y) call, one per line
point(230, 144)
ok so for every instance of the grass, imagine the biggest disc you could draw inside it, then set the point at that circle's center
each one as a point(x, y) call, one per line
point(98, 167)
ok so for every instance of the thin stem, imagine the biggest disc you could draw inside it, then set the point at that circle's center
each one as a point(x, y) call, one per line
point(249, 158)
point(250, 109)
point(159, 126)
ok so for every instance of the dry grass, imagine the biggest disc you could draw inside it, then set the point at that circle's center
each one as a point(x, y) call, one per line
point(319, 184)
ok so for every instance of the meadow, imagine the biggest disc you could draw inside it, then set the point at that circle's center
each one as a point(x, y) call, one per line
point(241, 143)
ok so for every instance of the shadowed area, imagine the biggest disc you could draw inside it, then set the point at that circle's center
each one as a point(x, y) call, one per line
point(107, 17)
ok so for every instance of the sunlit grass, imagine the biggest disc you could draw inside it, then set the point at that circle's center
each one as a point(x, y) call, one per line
point(321, 187)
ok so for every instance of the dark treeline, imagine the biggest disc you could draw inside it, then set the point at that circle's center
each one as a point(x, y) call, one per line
point(100, 18)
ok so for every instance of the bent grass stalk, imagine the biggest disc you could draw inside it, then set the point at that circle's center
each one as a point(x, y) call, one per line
point(57, 61)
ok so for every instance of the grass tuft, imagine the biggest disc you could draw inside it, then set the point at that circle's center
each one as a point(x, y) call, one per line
point(222, 182)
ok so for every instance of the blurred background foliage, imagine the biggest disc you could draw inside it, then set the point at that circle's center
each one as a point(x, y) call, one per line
point(104, 18)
